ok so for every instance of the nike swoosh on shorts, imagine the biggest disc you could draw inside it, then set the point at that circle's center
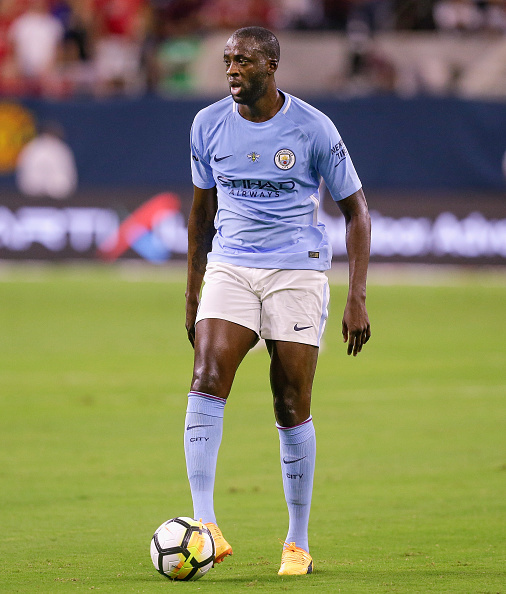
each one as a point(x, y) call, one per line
point(299, 328)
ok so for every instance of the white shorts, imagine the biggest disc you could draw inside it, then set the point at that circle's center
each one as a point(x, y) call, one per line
point(288, 305)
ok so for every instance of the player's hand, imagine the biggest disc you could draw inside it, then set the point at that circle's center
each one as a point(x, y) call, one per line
point(356, 326)
point(191, 316)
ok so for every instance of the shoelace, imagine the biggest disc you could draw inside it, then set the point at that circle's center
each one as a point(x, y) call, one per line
point(291, 554)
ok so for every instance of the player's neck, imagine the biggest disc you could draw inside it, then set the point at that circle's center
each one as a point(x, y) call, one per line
point(265, 108)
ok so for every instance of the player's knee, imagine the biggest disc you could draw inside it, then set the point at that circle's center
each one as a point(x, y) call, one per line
point(291, 407)
point(210, 381)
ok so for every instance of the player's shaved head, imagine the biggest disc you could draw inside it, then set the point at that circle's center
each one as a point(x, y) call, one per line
point(266, 41)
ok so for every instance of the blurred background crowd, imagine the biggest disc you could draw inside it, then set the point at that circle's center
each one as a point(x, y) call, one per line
point(97, 98)
point(68, 48)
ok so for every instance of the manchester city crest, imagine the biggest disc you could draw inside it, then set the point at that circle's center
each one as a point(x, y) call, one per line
point(284, 159)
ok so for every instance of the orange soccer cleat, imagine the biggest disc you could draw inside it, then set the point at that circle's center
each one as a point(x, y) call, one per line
point(223, 549)
point(295, 561)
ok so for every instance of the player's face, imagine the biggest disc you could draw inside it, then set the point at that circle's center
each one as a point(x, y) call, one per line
point(248, 70)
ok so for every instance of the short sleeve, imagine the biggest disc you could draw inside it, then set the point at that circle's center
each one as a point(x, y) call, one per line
point(333, 161)
point(202, 173)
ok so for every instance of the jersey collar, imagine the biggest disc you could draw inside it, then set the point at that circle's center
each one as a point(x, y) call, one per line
point(283, 110)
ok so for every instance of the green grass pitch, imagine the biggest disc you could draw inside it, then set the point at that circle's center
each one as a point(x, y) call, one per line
point(410, 485)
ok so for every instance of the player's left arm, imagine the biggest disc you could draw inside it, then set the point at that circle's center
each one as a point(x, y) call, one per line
point(356, 326)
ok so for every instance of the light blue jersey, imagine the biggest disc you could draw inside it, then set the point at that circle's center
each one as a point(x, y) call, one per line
point(267, 175)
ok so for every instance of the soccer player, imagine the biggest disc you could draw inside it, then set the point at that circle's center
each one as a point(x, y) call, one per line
point(258, 157)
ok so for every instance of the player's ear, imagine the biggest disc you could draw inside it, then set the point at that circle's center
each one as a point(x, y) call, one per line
point(272, 65)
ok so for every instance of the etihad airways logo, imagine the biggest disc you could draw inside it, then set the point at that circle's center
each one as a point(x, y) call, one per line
point(256, 188)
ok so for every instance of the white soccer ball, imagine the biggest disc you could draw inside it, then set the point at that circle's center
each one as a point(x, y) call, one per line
point(182, 549)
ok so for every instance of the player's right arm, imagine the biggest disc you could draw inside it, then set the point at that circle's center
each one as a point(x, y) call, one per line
point(200, 236)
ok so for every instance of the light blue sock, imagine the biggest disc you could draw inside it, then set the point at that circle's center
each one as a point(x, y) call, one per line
point(202, 438)
point(298, 454)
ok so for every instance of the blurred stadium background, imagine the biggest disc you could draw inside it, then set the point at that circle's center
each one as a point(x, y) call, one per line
point(97, 98)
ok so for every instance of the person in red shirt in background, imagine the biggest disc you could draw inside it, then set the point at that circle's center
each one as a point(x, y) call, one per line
point(30, 39)
point(119, 29)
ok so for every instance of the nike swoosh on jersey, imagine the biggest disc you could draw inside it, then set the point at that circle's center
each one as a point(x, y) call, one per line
point(285, 461)
point(218, 159)
point(195, 426)
point(299, 328)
